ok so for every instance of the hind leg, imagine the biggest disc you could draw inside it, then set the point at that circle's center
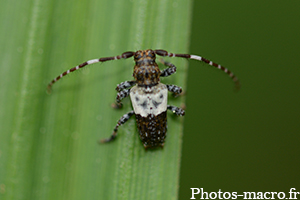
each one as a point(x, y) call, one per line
point(121, 121)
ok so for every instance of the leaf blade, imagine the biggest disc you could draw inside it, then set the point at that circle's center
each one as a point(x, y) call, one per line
point(60, 149)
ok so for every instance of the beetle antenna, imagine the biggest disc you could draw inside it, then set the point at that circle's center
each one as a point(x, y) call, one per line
point(195, 57)
point(125, 55)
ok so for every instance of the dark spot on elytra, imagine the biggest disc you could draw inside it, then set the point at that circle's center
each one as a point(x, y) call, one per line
point(155, 103)
point(144, 104)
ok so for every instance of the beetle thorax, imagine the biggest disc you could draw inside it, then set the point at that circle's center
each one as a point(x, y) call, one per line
point(146, 71)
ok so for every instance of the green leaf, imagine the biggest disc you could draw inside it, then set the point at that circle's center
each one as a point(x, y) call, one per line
point(48, 143)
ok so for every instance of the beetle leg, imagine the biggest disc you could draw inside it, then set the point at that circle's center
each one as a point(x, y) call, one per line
point(121, 95)
point(176, 110)
point(125, 85)
point(176, 90)
point(169, 71)
point(121, 121)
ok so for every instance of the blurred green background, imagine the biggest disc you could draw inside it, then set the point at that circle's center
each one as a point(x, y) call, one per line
point(247, 140)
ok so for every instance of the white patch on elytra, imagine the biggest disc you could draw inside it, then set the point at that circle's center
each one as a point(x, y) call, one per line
point(147, 101)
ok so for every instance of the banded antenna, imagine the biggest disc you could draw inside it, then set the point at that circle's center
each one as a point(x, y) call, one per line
point(164, 53)
point(125, 55)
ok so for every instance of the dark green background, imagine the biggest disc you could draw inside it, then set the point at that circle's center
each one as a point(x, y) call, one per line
point(247, 140)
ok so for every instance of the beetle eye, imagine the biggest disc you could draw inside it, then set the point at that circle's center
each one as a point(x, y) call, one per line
point(137, 55)
point(151, 53)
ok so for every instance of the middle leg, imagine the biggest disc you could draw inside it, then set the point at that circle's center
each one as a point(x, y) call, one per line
point(176, 90)
point(176, 110)
point(121, 95)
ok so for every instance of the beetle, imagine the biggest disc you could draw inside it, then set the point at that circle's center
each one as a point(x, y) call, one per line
point(148, 95)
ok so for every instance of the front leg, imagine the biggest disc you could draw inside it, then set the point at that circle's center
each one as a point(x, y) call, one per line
point(169, 71)
point(121, 121)
point(176, 90)
point(125, 85)
point(121, 95)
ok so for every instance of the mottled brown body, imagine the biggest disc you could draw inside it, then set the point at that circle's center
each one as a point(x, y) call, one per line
point(152, 129)
point(146, 71)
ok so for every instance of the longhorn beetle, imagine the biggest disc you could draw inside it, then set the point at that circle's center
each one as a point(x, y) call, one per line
point(148, 95)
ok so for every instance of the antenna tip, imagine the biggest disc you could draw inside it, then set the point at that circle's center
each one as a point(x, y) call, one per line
point(237, 86)
point(49, 89)
point(102, 141)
